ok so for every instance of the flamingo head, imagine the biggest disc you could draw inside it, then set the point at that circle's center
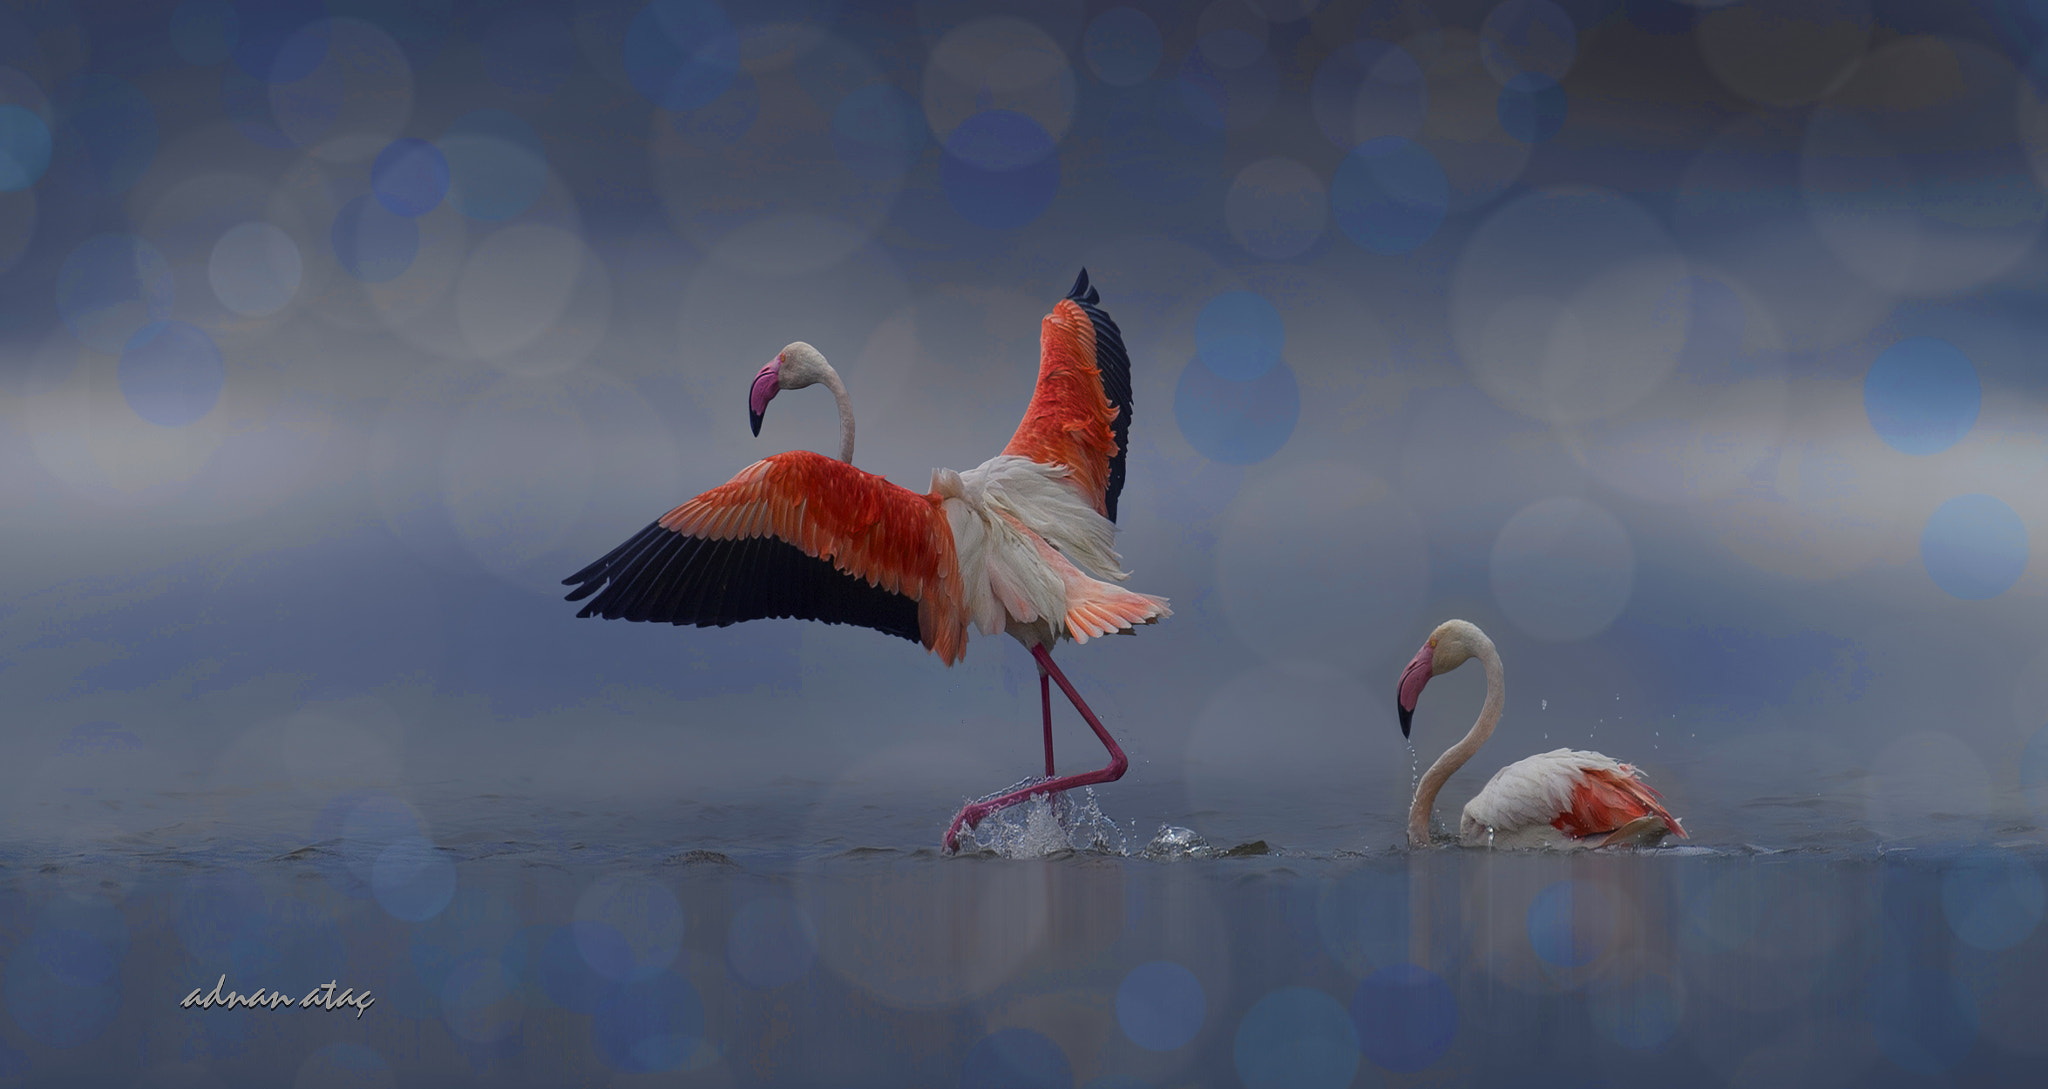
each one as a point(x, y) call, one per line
point(794, 367)
point(766, 385)
point(1452, 644)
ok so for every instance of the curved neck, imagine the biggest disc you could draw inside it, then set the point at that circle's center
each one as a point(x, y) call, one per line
point(1455, 756)
point(845, 403)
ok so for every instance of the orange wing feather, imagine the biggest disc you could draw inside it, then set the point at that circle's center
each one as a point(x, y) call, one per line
point(1080, 412)
point(1603, 801)
point(881, 535)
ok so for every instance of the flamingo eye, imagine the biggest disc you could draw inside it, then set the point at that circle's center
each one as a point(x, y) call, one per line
point(1432, 643)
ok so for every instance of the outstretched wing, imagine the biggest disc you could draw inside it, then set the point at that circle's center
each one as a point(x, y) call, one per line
point(1080, 414)
point(794, 535)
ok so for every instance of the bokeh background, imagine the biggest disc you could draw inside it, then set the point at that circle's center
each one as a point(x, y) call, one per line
point(1691, 349)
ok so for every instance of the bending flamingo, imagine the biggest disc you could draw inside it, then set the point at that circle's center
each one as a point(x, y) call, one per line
point(801, 535)
point(1562, 798)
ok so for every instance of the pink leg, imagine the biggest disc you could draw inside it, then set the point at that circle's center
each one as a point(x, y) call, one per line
point(1045, 701)
point(972, 815)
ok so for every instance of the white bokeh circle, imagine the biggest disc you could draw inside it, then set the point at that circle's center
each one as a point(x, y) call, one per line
point(1833, 499)
point(1562, 569)
point(998, 63)
point(1569, 304)
point(1910, 174)
point(778, 200)
point(1462, 129)
point(1276, 208)
point(1717, 418)
point(254, 269)
point(1738, 206)
point(355, 101)
point(515, 286)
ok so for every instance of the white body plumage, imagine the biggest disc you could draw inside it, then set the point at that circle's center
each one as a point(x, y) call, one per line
point(1516, 806)
point(1012, 520)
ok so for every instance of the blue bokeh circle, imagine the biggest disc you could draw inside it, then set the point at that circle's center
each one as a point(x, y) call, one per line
point(171, 373)
point(1016, 1058)
point(1296, 1038)
point(1406, 1017)
point(1004, 199)
point(1160, 1006)
point(1389, 195)
point(1240, 335)
point(1922, 395)
point(1123, 46)
point(372, 243)
point(409, 177)
point(1531, 108)
point(1974, 547)
point(1237, 423)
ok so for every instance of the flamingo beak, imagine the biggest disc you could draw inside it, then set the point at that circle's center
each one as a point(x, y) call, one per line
point(1419, 670)
point(766, 385)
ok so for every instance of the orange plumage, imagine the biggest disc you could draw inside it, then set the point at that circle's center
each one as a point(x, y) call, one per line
point(883, 534)
point(803, 536)
point(1603, 801)
point(1069, 420)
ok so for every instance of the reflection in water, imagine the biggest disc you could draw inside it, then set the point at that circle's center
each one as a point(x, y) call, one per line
point(1110, 963)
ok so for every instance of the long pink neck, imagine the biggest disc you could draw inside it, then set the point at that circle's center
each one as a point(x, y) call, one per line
point(1455, 756)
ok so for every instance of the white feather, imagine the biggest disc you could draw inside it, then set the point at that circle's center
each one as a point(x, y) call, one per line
point(1047, 503)
point(970, 546)
point(1002, 575)
point(1531, 792)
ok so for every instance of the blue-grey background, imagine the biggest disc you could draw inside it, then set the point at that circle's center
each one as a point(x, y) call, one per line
point(1690, 349)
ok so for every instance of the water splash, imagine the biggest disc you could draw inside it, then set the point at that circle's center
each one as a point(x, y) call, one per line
point(1070, 822)
point(1173, 841)
point(1049, 825)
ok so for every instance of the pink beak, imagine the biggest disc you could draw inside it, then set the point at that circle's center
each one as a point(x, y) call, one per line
point(1420, 669)
point(766, 385)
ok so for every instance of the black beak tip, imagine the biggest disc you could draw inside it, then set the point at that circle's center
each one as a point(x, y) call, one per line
point(1406, 717)
point(755, 419)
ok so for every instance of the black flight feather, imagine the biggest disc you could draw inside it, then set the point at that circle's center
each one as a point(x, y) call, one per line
point(1114, 363)
point(659, 575)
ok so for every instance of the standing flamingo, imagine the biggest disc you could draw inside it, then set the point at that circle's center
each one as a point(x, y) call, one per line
point(801, 535)
point(1561, 798)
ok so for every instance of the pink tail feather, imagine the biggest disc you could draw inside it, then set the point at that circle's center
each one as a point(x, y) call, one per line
point(1096, 608)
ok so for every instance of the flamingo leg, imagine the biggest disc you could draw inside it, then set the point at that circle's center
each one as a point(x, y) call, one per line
point(973, 814)
point(1045, 701)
